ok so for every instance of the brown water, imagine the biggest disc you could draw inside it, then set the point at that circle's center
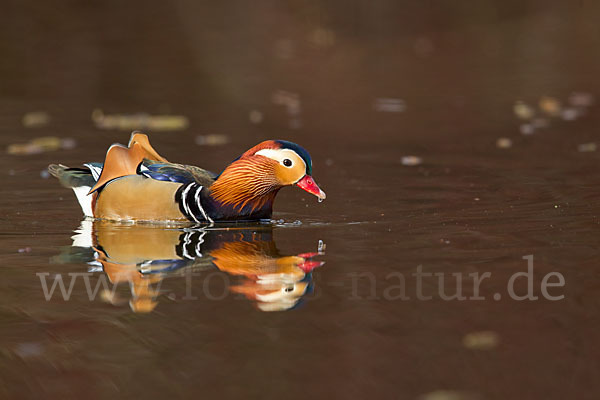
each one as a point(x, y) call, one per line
point(260, 311)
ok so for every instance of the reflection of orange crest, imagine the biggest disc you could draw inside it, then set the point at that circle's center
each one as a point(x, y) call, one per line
point(254, 259)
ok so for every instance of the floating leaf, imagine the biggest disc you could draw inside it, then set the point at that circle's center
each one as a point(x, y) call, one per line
point(570, 114)
point(322, 37)
point(255, 116)
point(581, 99)
point(586, 147)
point(483, 340)
point(550, 106)
point(411, 161)
point(527, 129)
point(290, 100)
point(130, 122)
point(211, 140)
point(540, 123)
point(523, 110)
point(504, 143)
point(41, 145)
point(35, 119)
point(386, 104)
point(449, 395)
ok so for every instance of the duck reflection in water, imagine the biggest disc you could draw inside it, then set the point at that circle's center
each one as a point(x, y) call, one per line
point(144, 255)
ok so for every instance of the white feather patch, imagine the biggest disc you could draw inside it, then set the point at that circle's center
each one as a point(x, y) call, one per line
point(279, 154)
point(85, 200)
point(96, 171)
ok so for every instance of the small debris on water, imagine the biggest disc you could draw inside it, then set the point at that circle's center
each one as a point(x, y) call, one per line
point(44, 174)
point(255, 117)
point(212, 140)
point(320, 199)
point(449, 395)
point(322, 37)
point(539, 123)
point(504, 143)
point(68, 143)
point(483, 340)
point(570, 114)
point(411, 161)
point(523, 110)
point(36, 119)
point(550, 105)
point(527, 129)
point(290, 100)
point(576, 107)
point(388, 104)
point(423, 46)
point(139, 121)
point(581, 99)
point(295, 123)
point(25, 250)
point(284, 49)
point(587, 147)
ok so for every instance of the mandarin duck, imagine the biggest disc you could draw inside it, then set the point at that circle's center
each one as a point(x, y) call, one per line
point(136, 183)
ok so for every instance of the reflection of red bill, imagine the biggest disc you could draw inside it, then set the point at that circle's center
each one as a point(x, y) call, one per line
point(309, 265)
point(309, 255)
point(307, 183)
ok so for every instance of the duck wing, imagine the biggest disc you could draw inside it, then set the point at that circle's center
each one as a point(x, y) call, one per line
point(179, 173)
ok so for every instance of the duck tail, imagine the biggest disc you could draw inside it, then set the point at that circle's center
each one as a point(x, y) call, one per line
point(80, 180)
point(72, 177)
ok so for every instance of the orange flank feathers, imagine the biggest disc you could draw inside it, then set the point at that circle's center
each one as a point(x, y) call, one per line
point(127, 199)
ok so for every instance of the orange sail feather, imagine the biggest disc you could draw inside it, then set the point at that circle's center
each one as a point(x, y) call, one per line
point(122, 161)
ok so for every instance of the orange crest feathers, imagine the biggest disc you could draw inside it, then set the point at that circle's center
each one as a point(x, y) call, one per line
point(246, 181)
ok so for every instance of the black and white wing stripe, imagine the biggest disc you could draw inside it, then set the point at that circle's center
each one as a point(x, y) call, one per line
point(190, 202)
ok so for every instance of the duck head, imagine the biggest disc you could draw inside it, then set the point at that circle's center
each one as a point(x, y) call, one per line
point(252, 181)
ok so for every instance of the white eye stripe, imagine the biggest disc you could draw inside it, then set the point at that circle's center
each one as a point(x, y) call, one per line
point(280, 154)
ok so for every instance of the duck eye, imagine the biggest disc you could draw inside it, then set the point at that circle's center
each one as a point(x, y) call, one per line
point(287, 162)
